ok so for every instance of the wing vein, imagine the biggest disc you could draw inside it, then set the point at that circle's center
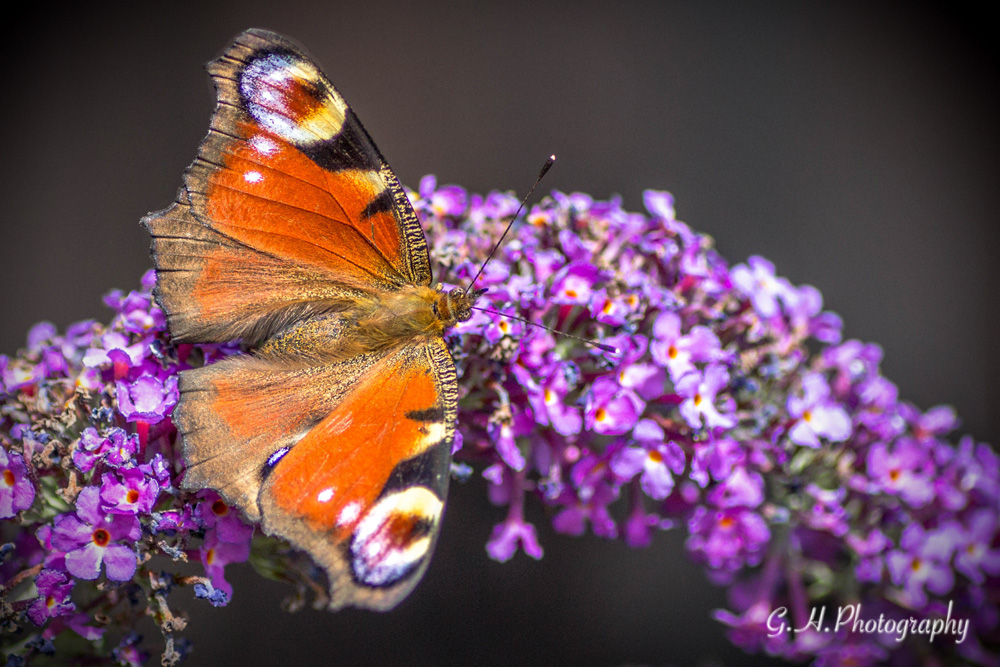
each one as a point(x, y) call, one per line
point(399, 280)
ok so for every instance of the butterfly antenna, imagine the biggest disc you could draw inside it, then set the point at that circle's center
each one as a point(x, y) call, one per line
point(548, 165)
point(600, 346)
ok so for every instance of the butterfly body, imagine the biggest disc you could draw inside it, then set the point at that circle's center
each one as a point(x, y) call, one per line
point(292, 233)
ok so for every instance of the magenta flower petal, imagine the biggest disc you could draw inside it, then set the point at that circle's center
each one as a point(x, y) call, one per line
point(510, 534)
point(147, 398)
point(53, 597)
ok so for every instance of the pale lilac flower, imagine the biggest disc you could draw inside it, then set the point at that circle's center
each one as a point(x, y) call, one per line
point(905, 469)
point(91, 537)
point(502, 434)
point(658, 460)
point(699, 391)
point(919, 566)
point(975, 555)
point(660, 204)
point(573, 285)
point(816, 414)
point(727, 539)
point(129, 491)
point(507, 536)
point(17, 493)
point(128, 355)
point(611, 409)
point(756, 280)
point(741, 488)
point(573, 518)
point(216, 554)
point(548, 398)
point(678, 353)
point(216, 513)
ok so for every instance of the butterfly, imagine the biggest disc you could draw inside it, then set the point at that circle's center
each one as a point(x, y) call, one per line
point(292, 233)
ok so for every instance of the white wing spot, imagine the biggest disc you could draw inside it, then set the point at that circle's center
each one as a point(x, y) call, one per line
point(325, 495)
point(263, 145)
point(253, 177)
point(350, 512)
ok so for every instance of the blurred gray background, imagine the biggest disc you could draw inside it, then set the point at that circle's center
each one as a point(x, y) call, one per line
point(854, 144)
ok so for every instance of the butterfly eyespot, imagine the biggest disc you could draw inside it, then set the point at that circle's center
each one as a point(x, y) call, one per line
point(287, 96)
point(396, 535)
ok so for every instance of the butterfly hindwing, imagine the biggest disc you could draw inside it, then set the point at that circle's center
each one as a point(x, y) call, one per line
point(364, 491)
point(234, 415)
point(348, 460)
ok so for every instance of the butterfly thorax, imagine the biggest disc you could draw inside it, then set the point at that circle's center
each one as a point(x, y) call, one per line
point(413, 312)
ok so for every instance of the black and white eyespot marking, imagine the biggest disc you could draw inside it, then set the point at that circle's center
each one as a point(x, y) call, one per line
point(395, 537)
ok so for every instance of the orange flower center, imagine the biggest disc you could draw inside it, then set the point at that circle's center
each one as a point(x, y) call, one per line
point(219, 508)
point(101, 537)
point(8, 478)
point(132, 496)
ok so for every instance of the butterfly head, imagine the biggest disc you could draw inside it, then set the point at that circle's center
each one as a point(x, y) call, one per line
point(456, 306)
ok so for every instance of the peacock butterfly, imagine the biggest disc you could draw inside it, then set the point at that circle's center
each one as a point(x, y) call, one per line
point(292, 233)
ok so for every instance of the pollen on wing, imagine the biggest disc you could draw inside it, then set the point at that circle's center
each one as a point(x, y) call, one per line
point(395, 536)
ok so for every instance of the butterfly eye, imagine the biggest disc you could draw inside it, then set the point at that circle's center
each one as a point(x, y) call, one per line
point(460, 303)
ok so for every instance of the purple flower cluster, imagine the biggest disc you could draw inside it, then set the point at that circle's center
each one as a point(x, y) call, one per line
point(88, 471)
point(799, 476)
point(732, 409)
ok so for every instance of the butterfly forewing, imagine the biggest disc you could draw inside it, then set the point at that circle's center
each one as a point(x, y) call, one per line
point(295, 190)
point(292, 233)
